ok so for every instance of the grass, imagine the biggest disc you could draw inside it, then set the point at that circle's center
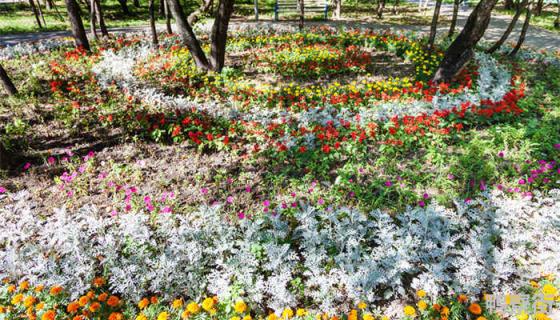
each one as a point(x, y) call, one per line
point(545, 20)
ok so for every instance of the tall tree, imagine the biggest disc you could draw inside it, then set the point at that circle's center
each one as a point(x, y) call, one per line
point(301, 14)
point(41, 13)
point(167, 17)
point(101, 19)
point(395, 7)
point(523, 29)
point(433, 27)
point(153, 30)
point(456, 5)
point(380, 7)
point(136, 3)
point(557, 21)
point(509, 4)
point(161, 8)
point(205, 8)
point(461, 50)
point(124, 6)
point(538, 9)
point(337, 9)
point(509, 29)
point(93, 19)
point(7, 82)
point(35, 13)
point(218, 38)
point(76, 24)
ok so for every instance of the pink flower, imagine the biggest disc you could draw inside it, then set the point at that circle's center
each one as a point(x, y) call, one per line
point(204, 190)
point(293, 194)
point(114, 213)
point(266, 203)
point(241, 215)
point(501, 154)
point(294, 204)
point(229, 180)
point(421, 203)
point(150, 207)
point(482, 185)
point(51, 160)
point(2, 190)
point(557, 145)
point(388, 183)
point(247, 189)
point(521, 181)
point(26, 166)
point(321, 201)
point(147, 200)
point(425, 195)
point(284, 205)
point(229, 199)
point(450, 176)
point(166, 209)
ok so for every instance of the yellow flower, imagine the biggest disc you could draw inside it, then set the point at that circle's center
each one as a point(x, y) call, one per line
point(287, 313)
point(409, 311)
point(272, 316)
point(163, 316)
point(384, 318)
point(421, 293)
point(362, 305)
point(193, 307)
point(542, 316)
point(143, 303)
point(368, 316)
point(422, 305)
point(353, 314)
point(235, 318)
point(17, 299)
point(141, 317)
point(24, 285)
point(28, 301)
point(185, 315)
point(301, 312)
point(11, 289)
point(481, 318)
point(549, 289)
point(40, 306)
point(247, 317)
point(207, 304)
point(240, 306)
point(523, 316)
point(177, 303)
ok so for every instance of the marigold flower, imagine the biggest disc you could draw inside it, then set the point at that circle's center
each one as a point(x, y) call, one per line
point(11, 289)
point(116, 316)
point(56, 290)
point(29, 301)
point(17, 299)
point(2, 310)
point(39, 288)
point(193, 307)
point(113, 301)
point(362, 305)
point(301, 312)
point(272, 316)
point(163, 316)
point(177, 303)
point(102, 297)
point(207, 304)
point(462, 298)
point(141, 317)
point(481, 318)
point(549, 289)
point(353, 314)
point(185, 315)
point(94, 306)
point(98, 281)
point(143, 303)
point(409, 311)
point(287, 313)
point(40, 306)
point(368, 316)
point(422, 305)
point(235, 318)
point(153, 300)
point(421, 293)
point(240, 306)
point(72, 307)
point(24, 285)
point(90, 294)
point(84, 300)
point(247, 317)
point(445, 311)
point(48, 315)
point(475, 309)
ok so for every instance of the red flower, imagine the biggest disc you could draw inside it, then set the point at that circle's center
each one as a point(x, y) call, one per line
point(326, 148)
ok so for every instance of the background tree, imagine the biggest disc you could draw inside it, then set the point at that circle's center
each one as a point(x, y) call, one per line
point(7, 82)
point(35, 13)
point(167, 17)
point(557, 21)
point(509, 29)
point(301, 13)
point(453, 24)
point(523, 29)
point(93, 19)
point(205, 8)
point(337, 9)
point(76, 24)
point(136, 3)
point(153, 30)
point(101, 19)
point(433, 27)
point(380, 7)
point(539, 7)
point(509, 4)
point(124, 6)
point(461, 51)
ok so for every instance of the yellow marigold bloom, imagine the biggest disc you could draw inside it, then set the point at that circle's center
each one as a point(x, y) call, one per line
point(49, 315)
point(55, 290)
point(102, 297)
point(409, 311)
point(116, 316)
point(40, 306)
point(549, 289)
point(421, 293)
point(207, 304)
point(29, 301)
point(11, 289)
point(422, 305)
point(475, 309)
point(163, 316)
point(287, 313)
point(481, 318)
point(143, 303)
point(98, 281)
point(39, 288)
point(247, 317)
point(24, 285)
point(72, 307)
point(541, 316)
point(83, 300)
point(362, 305)
point(235, 318)
point(177, 303)
point(113, 301)
point(2, 310)
point(154, 300)
point(272, 316)
point(17, 299)
point(240, 306)
point(523, 316)
point(534, 284)
point(301, 312)
point(193, 307)
point(462, 298)
point(353, 314)
point(141, 317)
point(185, 315)
point(368, 316)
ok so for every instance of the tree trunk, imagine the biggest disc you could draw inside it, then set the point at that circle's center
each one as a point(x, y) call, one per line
point(41, 13)
point(124, 6)
point(7, 82)
point(76, 24)
point(461, 50)
point(380, 8)
point(508, 5)
point(538, 9)
point(167, 17)
point(218, 37)
point(301, 14)
point(153, 30)
point(557, 21)
point(523, 29)
point(205, 8)
point(136, 3)
point(337, 9)
point(49, 4)
point(510, 27)
point(35, 13)
point(100, 19)
point(395, 7)
point(161, 8)
point(93, 19)
point(433, 27)
point(456, 5)
point(187, 35)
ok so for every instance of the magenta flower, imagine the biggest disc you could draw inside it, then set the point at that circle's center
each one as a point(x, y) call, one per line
point(147, 199)
point(388, 183)
point(166, 209)
point(294, 204)
point(247, 189)
point(425, 195)
point(284, 205)
point(229, 199)
point(421, 203)
point(468, 200)
point(51, 161)
point(293, 194)
point(500, 187)
point(557, 145)
point(2, 190)
point(114, 213)
point(450, 176)
point(521, 181)
point(266, 203)
point(128, 207)
point(204, 190)
point(482, 185)
point(321, 201)
point(241, 215)
point(501, 154)
point(26, 166)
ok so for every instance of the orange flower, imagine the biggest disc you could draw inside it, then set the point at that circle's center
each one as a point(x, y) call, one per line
point(153, 300)
point(11, 289)
point(436, 307)
point(98, 282)
point(475, 309)
point(94, 306)
point(462, 298)
point(39, 288)
point(73, 307)
point(83, 300)
point(90, 294)
point(56, 290)
point(445, 311)
point(49, 315)
point(116, 316)
point(24, 285)
point(102, 297)
point(113, 301)
point(143, 303)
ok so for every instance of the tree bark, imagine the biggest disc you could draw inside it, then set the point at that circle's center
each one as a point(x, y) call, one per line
point(523, 30)
point(456, 5)
point(187, 35)
point(167, 17)
point(461, 51)
point(41, 13)
point(101, 19)
point(510, 27)
point(433, 27)
point(7, 82)
point(136, 3)
point(219, 34)
point(557, 21)
point(205, 8)
point(337, 9)
point(49, 4)
point(395, 7)
point(124, 6)
point(35, 13)
point(380, 8)
point(508, 5)
point(153, 30)
point(93, 19)
point(76, 24)
point(538, 9)
point(161, 8)
point(301, 14)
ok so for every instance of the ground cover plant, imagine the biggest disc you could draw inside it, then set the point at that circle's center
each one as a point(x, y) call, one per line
point(320, 174)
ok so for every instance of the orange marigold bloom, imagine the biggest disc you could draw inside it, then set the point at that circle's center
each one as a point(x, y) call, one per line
point(24, 285)
point(77, 318)
point(475, 309)
point(90, 294)
point(113, 301)
point(49, 315)
point(11, 289)
point(116, 316)
point(462, 298)
point(98, 281)
point(143, 303)
point(39, 288)
point(102, 297)
point(94, 306)
point(72, 307)
point(153, 300)
point(56, 290)
point(83, 300)
point(436, 307)
point(445, 311)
